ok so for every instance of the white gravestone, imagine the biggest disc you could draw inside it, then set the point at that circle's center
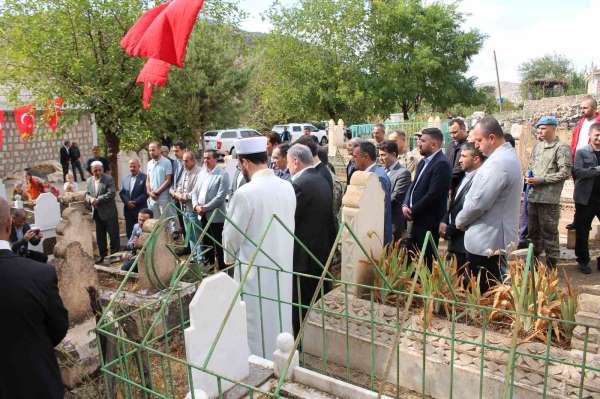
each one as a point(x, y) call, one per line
point(230, 356)
point(47, 211)
point(3, 190)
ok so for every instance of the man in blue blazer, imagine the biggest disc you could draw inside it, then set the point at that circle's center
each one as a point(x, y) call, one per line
point(364, 156)
point(133, 194)
point(427, 198)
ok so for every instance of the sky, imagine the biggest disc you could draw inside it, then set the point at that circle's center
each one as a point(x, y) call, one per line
point(518, 30)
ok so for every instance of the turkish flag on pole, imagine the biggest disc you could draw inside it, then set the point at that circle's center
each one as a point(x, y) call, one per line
point(25, 120)
point(154, 73)
point(163, 32)
point(1, 128)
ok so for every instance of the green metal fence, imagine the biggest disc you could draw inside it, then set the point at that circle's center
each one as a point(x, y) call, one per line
point(143, 356)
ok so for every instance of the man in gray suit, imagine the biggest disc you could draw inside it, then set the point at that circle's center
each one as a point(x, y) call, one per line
point(470, 159)
point(209, 197)
point(182, 194)
point(587, 196)
point(400, 180)
point(101, 196)
point(490, 214)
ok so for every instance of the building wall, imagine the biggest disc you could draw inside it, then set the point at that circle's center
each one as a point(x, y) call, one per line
point(43, 146)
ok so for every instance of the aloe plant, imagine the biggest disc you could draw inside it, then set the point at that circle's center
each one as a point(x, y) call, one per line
point(396, 272)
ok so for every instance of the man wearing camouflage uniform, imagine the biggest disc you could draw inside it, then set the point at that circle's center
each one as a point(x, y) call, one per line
point(549, 167)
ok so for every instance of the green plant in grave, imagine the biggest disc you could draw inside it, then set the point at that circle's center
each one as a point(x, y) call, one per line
point(472, 297)
point(396, 273)
point(427, 291)
point(568, 308)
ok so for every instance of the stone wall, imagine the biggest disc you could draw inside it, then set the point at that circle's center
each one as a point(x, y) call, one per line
point(566, 108)
point(43, 146)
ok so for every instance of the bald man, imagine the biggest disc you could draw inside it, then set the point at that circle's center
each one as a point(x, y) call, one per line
point(34, 321)
point(133, 195)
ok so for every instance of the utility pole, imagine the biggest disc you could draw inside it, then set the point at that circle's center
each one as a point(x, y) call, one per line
point(498, 80)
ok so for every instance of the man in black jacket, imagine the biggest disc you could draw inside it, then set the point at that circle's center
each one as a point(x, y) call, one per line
point(470, 160)
point(133, 195)
point(21, 236)
point(317, 164)
point(426, 200)
point(75, 156)
point(65, 159)
point(34, 320)
point(458, 132)
point(315, 227)
point(96, 157)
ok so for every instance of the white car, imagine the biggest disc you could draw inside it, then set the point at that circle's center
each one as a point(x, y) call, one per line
point(296, 129)
point(223, 141)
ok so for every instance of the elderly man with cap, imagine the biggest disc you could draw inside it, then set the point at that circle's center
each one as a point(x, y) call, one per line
point(549, 167)
point(250, 212)
point(101, 196)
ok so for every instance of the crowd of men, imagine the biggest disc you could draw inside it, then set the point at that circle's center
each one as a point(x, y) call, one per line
point(279, 214)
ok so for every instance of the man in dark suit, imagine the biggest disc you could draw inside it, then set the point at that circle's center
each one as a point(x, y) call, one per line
point(470, 160)
point(101, 196)
point(399, 180)
point(34, 321)
point(133, 194)
point(21, 235)
point(426, 201)
point(65, 159)
point(314, 227)
point(75, 156)
point(317, 164)
point(365, 156)
point(458, 132)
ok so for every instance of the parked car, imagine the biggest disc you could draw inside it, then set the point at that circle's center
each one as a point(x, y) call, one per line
point(223, 141)
point(296, 129)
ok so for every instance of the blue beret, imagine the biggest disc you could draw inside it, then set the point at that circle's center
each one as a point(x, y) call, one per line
point(547, 120)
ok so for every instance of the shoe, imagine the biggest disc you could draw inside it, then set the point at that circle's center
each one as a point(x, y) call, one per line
point(585, 268)
point(570, 226)
point(99, 260)
point(598, 263)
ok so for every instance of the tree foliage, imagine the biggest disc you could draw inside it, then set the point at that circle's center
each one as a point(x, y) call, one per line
point(71, 48)
point(354, 60)
point(309, 68)
point(550, 68)
point(419, 53)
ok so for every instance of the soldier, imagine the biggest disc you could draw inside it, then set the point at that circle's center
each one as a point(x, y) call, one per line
point(549, 167)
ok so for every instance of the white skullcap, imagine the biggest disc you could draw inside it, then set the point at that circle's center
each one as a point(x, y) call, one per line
point(251, 145)
point(97, 163)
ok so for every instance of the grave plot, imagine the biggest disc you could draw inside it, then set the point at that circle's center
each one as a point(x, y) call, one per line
point(389, 325)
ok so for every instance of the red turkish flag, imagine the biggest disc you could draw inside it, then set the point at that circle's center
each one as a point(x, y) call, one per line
point(25, 120)
point(52, 112)
point(1, 128)
point(154, 73)
point(163, 32)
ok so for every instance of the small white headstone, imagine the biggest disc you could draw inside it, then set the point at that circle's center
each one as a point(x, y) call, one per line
point(285, 344)
point(47, 211)
point(3, 190)
point(230, 356)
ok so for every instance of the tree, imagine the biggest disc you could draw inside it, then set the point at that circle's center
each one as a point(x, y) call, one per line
point(419, 53)
point(71, 48)
point(539, 74)
point(210, 92)
point(309, 67)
